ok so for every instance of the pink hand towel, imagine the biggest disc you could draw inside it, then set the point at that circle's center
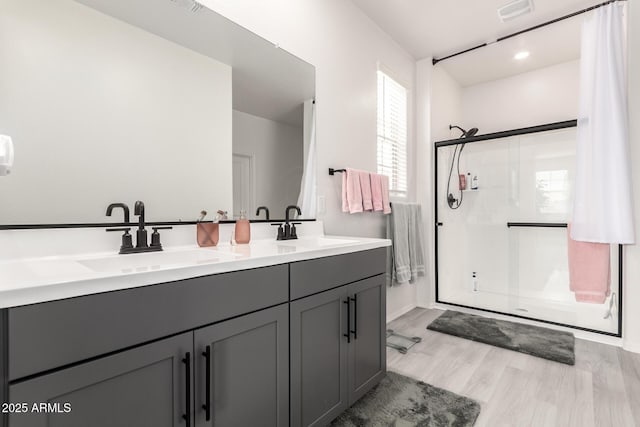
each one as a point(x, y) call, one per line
point(345, 199)
point(354, 191)
point(376, 192)
point(365, 186)
point(386, 206)
point(589, 270)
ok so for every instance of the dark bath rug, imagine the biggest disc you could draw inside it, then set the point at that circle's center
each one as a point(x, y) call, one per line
point(533, 340)
point(399, 401)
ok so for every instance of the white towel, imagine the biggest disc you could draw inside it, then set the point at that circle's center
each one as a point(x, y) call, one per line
point(404, 228)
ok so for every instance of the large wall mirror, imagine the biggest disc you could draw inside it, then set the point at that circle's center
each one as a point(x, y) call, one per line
point(163, 101)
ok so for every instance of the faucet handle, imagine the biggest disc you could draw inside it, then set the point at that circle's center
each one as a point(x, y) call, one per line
point(293, 233)
point(125, 229)
point(280, 231)
point(127, 241)
point(155, 236)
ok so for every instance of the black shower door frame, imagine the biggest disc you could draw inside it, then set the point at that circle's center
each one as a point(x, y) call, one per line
point(506, 134)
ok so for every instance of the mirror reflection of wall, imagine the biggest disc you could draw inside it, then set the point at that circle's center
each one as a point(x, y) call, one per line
point(106, 102)
point(267, 163)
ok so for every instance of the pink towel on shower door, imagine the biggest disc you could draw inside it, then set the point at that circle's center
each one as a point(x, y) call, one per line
point(589, 270)
point(376, 192)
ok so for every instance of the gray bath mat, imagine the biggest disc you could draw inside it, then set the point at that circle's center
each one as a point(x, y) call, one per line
point(399, 401)
point(533, 340)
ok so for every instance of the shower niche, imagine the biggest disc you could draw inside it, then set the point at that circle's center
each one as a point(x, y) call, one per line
point(502, 247)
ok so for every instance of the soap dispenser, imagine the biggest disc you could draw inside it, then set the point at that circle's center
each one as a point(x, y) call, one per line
point(243, 229)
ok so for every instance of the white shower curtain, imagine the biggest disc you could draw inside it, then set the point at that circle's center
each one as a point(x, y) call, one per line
point(602, 210)
point(307, 197)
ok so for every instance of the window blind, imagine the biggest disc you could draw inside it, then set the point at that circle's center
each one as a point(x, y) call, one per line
point(392, 133)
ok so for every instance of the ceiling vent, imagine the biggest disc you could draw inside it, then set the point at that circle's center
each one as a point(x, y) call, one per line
point(192, 5)
point(514, 9)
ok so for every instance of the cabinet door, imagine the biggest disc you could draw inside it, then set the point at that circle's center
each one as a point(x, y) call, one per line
point(248, 370)
point(142, 387)
point(318, 358)
point(367, 352)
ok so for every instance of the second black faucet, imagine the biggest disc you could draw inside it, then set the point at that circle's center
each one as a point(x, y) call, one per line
point(142, 243)
point(289, 231)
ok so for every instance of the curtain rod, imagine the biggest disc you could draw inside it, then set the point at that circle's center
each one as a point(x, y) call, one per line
point(544, 24)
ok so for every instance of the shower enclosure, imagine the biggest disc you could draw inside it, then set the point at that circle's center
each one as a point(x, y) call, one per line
point(504, 249)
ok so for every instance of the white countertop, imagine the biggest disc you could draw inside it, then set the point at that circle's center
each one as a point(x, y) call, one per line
point(40, 279)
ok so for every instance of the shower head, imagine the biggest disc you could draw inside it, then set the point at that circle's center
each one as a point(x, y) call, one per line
point(465, 134)
point(471, 132)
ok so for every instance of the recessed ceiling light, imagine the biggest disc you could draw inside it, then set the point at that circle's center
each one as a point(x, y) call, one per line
point(521, 55)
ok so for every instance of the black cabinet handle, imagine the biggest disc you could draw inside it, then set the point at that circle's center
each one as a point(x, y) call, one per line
point(187, 363)
point(348, 334)
point(354, 331)
point(207, 387)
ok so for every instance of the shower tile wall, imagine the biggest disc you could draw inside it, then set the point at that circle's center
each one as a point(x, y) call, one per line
point(521, 271)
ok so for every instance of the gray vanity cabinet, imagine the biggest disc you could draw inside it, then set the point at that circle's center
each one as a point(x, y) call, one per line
point(287, 345)
point(242, 372)
point(319, 358)
point(337, 326)
point(142, 387)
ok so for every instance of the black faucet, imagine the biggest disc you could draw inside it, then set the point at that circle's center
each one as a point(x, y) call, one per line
point(289, 231)
point(124, 207)
point(127, 243)
point(141, 233)
point(266, 211)
point(142, 244)
point(289, 208)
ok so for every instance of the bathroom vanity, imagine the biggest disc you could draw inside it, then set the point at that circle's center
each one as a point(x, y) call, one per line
point(278, 334)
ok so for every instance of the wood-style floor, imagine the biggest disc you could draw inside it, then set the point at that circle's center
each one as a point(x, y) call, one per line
point(514, 389)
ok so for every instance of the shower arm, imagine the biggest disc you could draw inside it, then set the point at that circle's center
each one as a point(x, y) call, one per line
point(464, 132)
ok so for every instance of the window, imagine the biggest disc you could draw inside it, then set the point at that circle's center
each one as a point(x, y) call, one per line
point(392, 133)
point(552, 191)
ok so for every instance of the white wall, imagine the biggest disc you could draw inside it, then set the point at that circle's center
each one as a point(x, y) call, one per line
point(534, 98)
point(438, 104)
point(447, 105)
point(276, 149)
point(631, 326)
point(102, 112)
point(345, 46)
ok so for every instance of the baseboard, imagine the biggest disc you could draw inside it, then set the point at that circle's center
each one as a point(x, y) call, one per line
point(400, 312)
point(632, 346)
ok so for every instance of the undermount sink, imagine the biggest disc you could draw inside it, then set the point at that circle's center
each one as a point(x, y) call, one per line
point(155, 261)
point(317, 242)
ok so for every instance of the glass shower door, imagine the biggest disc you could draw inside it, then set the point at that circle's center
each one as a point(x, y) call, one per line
point(504, 247)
